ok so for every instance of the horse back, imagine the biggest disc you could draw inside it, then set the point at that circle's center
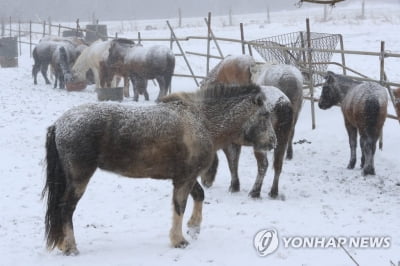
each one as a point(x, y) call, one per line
point(154, 141)
point(365, 106)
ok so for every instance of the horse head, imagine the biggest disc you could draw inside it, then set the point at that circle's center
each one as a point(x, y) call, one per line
point(330, 94)
point(116, 54)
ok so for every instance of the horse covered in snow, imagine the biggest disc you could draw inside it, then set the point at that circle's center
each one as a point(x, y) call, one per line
point(364, 108)
point(43, 53)
point(243, 69)
point(141, 64)
point(176, 139)
point(93, 58)
point(281, 116)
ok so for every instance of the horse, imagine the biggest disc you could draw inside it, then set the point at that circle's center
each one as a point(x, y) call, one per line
point(92, 60)
point(281, 116)
point(396, 94)
point(142, 63)
point(364, 108)
point(243, 69)
point(289, 80)
point(43, 53)
point(62, 59)
point(175, 139)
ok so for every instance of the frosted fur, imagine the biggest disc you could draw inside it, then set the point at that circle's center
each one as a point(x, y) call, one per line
point(90, 58)
point(274, 96)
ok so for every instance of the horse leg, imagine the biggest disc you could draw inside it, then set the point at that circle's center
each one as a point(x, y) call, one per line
point(262, 165)
point(232, 153)
point(135, 88)
point(369, 150)
point(65, 185)
point(289, 152)
point(362, 145)
point(179, 199)
point(207, 179)
point(43, 70)
point(352, 132)
point(35, 70)
point(163, 87)
point(145, 93)
point(197, 194)
point(126, 86)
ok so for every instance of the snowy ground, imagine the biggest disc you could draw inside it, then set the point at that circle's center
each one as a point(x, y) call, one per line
point(124, 221)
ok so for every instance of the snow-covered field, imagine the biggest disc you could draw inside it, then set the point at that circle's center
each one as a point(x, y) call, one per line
point(122, 221)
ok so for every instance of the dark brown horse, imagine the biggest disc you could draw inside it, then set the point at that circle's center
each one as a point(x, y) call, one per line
point(364, 108)
point(281, 116)
point(141, 64)
point(396, 94)
point(242, 69)
point(176, 139)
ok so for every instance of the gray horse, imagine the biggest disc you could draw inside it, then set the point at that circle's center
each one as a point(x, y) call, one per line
point(364, 108)
point(176, 139)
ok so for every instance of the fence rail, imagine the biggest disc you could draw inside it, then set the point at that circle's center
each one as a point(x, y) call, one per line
point(25, 29)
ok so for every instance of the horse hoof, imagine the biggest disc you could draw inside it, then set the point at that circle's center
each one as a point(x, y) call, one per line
point(234, 189)
point(182, 244)
point(71, 252)
point(351, 165)
point(273, 194)
point(368, 171)
point(193, 232)
point(254, 194)
point(206, 184)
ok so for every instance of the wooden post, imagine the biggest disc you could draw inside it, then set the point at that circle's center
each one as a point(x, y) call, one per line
point(139, 37)
point(19, 37)
point(268, 16)
point(325, 13)
point(230, 17)
point(363, 9)
point(30, 38)
point(44, 28)
point(179, 17)
point(10, 28)
point(310, 70)
point(208, 42)
point(242, 38)
point(50, 25)
point(182, 52)
point(3, 27)
point(59, 30)
point(342, 53)
point(214, 39)
point(382, 65)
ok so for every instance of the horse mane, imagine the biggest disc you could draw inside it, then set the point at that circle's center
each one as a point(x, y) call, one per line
point(123, 41)
point(213, 93)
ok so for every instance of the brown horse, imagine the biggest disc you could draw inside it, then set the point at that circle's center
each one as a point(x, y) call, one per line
point(176, 139)
point(396, 94)
point(243, 69)
point(281, 116)
point(141, 64)
point(364, 108)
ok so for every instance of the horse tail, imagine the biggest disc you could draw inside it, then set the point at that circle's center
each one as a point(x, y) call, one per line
point(171, 68)
point(54, 188)
point(372, 112)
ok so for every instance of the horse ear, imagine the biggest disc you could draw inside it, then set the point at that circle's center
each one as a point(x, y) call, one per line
point(330, 77)
point(259, 99)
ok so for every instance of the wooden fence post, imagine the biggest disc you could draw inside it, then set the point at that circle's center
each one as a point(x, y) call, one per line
point(214, 39)
point(19, 37)
point(182, 52)
point(208, 42)
point(179, 17)
point(310, 70)
point(44, 28)
point(10, 28)
point(242, 39)
point(30, 38)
